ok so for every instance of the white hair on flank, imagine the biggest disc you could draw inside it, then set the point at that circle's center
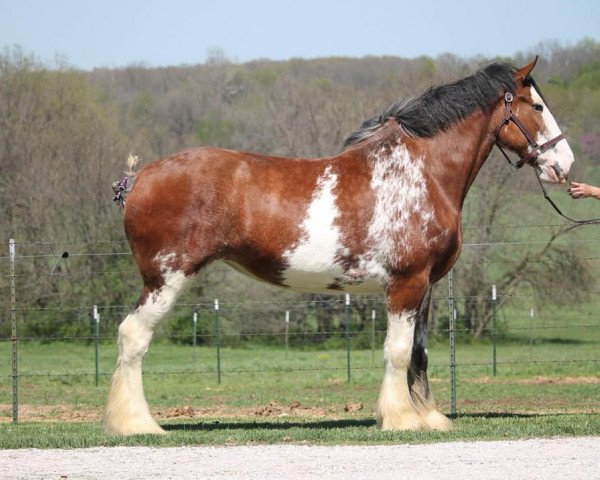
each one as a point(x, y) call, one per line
point(312, 261)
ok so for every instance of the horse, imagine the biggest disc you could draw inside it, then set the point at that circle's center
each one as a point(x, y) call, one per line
point(382, 216)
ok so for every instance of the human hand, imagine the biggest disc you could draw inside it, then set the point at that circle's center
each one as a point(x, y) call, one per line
point(583, 190)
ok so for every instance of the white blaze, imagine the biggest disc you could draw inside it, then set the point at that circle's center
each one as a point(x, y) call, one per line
point(560, 157)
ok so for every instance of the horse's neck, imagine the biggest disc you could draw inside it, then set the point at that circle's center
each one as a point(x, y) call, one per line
point(458, 154)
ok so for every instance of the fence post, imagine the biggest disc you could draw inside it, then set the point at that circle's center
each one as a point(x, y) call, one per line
point(494, 335)
point(218, 339)
point(452, 331)
point(531, 317)
point(373, 315)
point(13, 316)
point(96, 317)
point(287, 332)
point(347, 321)
point(195, 320)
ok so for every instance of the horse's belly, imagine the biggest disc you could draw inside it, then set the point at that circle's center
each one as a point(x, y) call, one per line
point(322, 280)
point(330, 281)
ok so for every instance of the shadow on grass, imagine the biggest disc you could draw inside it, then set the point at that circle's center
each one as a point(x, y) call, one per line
point(501, 415)
point(217, 425)
point(324, 424)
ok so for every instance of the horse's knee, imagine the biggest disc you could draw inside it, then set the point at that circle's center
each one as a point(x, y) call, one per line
point(398, 346)
point(397, 355)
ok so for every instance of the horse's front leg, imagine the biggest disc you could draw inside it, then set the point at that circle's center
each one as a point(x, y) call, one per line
point(396, 408)
point(417, 373)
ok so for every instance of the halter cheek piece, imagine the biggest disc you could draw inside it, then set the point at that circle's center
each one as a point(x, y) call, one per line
point(536, 150)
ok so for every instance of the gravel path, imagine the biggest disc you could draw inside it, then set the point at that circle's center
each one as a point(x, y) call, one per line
point(560, 458)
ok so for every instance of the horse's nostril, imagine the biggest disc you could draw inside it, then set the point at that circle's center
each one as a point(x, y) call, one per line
point(560, 175)
point(557, 168)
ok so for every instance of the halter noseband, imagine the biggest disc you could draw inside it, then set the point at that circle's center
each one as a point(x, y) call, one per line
point(536, 150)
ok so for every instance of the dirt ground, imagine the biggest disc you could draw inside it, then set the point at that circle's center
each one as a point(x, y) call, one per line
point(70, 413)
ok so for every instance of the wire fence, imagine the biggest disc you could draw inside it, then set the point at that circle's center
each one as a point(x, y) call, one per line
point(63, 293)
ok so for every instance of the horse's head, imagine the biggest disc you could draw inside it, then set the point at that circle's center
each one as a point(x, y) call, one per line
point(529, 129)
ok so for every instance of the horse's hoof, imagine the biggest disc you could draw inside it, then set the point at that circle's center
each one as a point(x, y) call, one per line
point(148, 427)
point(437, 421)
point(410, 421)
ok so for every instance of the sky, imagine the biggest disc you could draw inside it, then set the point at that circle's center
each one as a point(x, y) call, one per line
point(109, 33)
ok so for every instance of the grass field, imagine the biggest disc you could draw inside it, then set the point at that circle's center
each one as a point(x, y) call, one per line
point(297, 430)
point(546, 388)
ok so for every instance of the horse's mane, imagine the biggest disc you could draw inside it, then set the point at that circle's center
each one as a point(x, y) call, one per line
point(439, 107)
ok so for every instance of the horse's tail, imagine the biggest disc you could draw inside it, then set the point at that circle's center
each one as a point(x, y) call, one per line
point(122, 188)
point(132, 161)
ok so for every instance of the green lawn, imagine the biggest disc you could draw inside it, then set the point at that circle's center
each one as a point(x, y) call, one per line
point(359, 431)
point(544, 389)
point(174, 375)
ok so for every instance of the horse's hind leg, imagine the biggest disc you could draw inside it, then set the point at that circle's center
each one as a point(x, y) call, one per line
point(417, 374)
point(126, 410)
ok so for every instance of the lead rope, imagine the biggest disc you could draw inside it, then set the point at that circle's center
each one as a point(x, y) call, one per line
point(578, 223)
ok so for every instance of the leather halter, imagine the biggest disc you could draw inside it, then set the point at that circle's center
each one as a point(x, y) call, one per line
point(536, 150)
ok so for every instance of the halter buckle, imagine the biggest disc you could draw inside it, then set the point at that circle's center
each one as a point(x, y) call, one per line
point(508, 97)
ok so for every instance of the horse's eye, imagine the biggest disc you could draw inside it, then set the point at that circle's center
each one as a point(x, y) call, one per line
point(537, 107)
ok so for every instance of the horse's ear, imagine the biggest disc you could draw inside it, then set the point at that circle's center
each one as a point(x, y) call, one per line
point(521, 73)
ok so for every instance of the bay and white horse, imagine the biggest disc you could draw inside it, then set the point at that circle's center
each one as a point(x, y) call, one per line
point(382, 216)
